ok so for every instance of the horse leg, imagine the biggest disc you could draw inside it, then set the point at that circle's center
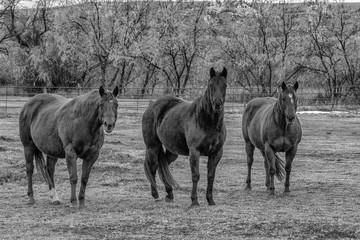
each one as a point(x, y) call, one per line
point(29, 158)
point(267, 178)
point(71, 158)
point(270, 158)
point(194, 165)
point(86, 168)
point(250, 159)
point(289, 155)
point(170, 157)
point(50, 163)
point(151, 165)
point(211, 167)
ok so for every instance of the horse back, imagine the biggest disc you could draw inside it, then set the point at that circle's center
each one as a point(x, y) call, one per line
point(154, 115)
point(37, 115)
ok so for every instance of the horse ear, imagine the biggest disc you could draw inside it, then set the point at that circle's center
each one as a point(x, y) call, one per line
point(296, 86)
point(101, 90)
point(116, 91)
point(224, 72)
point(212, 72)
point(283, 86)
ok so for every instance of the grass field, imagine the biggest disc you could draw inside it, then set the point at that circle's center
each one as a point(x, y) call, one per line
point(324, 201)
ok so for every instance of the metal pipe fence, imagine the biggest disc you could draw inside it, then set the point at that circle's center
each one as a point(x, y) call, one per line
point(134, 101)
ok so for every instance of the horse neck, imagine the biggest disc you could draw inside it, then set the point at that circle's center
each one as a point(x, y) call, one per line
point(90, 111)
point(206, 113)
point(279, 115)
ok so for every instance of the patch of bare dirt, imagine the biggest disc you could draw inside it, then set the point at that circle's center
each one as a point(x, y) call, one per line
point(323, 204)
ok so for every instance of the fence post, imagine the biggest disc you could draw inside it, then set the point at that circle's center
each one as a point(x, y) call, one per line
point(137, 105)
point(6, 100)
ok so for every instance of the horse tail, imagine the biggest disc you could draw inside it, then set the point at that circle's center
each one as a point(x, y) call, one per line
point(41, 167)
point(147, 169)
point(164, 171)
point(280, 167)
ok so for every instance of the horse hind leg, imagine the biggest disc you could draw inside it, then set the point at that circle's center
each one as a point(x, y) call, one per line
point(29, 151)
point(170, 157)
point(50, 163)
point(150, 166)
point(250, 159)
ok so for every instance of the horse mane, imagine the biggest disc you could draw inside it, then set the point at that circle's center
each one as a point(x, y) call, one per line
point(84, 105)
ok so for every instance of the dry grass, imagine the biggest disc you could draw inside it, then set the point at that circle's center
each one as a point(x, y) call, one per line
point(323, 204)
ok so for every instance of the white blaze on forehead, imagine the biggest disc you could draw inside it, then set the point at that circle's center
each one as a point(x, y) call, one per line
point(291, 96)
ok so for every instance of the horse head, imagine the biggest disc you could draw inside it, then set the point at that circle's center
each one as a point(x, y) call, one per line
point(217, 89)
point(288, 102)
point(108, 108)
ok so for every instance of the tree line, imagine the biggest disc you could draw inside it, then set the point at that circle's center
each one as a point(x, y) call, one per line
point(172, 44)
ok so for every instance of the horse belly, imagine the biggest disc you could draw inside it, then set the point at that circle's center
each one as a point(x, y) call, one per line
point(49, 143)
point(171, 133)
point(175, 144)
point(281, 144)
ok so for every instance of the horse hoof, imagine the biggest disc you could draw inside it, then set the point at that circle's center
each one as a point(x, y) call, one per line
point(286, 193)
point(56, 202)
point(30, 202)
point(248, 188)
point(169, 200)
point(211, 203)
point(196, 204)
point(157, 200)
point(272, 193)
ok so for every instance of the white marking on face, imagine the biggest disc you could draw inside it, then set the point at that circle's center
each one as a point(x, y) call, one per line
point(291, 96)
point(111, 101)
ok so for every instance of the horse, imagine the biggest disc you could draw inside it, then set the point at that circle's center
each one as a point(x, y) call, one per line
point(70, 129)
point(271, 125)
point(173, 127)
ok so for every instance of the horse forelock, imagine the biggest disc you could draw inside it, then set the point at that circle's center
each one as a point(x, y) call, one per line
point(108, 96)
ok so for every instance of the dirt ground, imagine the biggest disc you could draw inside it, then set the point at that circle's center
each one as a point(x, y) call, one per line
point(324, 202)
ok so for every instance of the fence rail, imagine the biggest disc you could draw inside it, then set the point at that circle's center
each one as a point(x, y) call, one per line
point(133, 101)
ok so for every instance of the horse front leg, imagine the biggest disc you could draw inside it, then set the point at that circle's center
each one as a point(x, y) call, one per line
point(211, 167)
point(194, 165)
point(289, 155)
point(270, 158)
point(267, 175)
point(71, 158)
point(86, 168)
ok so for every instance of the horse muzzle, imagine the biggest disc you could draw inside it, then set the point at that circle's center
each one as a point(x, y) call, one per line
point(109, 127)
point(290, 120)
point(217, 107)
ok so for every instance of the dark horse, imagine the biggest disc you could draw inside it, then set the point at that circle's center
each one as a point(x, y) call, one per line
point(272, 126)
point(172, 127)
point(62, 128)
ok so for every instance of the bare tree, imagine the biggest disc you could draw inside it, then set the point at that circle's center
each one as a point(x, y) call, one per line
point(179, 36)
point(332, 31)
